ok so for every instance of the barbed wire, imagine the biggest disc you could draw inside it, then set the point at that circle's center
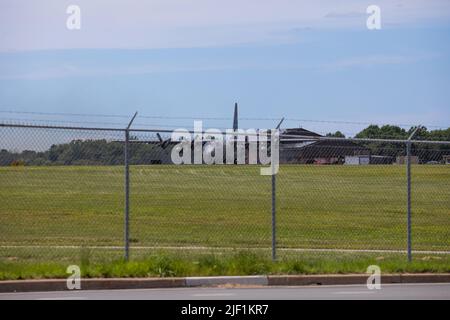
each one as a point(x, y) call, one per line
point(158, 117)
point(66, 114)
point(118, 124)
point(166, 126)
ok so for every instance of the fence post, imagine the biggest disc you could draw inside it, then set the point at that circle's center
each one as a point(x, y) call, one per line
point(408, 190)
point(408, 178)
point(127, 197)
point(274, 229)
point(274, 202)
point(127, 190)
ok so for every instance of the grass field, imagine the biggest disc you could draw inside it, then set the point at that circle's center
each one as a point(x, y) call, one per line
point(318, 207)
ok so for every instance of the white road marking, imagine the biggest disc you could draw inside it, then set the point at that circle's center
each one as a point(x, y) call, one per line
point(63, 298)
point(213, 295)
point(353, 292)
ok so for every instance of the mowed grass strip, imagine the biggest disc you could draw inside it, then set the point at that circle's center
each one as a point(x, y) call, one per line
point(341, 207)
point(176, 264)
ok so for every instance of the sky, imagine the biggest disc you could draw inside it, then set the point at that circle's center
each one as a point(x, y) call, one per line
point(192, 59)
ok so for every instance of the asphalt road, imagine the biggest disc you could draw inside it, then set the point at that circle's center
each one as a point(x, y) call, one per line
point(388, 291)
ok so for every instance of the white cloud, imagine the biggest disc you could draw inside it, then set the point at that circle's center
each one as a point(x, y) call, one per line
point(41, 24)
point(67, 71)
point(377, 60)
point(346, 15)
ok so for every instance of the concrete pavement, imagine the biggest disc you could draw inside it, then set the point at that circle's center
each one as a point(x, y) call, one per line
point(342, 292)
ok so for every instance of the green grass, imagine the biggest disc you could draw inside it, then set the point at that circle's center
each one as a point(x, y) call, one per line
point(318, 207)
point(163, 264)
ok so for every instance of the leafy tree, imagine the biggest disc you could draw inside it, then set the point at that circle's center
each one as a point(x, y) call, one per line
point(337, 134)
point(425, 152)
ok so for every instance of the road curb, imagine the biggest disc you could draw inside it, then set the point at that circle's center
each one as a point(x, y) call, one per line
point(347, 279)
point(272, 280)
point(233, 280)
point(425, 278)
point(91, 284)
point(307, 280)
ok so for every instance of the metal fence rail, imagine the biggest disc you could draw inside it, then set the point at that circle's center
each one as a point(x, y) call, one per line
point(115, 191)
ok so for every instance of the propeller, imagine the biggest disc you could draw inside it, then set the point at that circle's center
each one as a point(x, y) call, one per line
point(279, 123)
point(163, 143)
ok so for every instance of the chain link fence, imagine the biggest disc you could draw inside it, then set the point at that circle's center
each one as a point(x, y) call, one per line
point(359, 203)
point(115, 193)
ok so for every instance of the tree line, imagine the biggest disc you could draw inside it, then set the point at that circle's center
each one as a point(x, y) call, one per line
point(425, 152)
point(81, 152)
point(104, 152)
